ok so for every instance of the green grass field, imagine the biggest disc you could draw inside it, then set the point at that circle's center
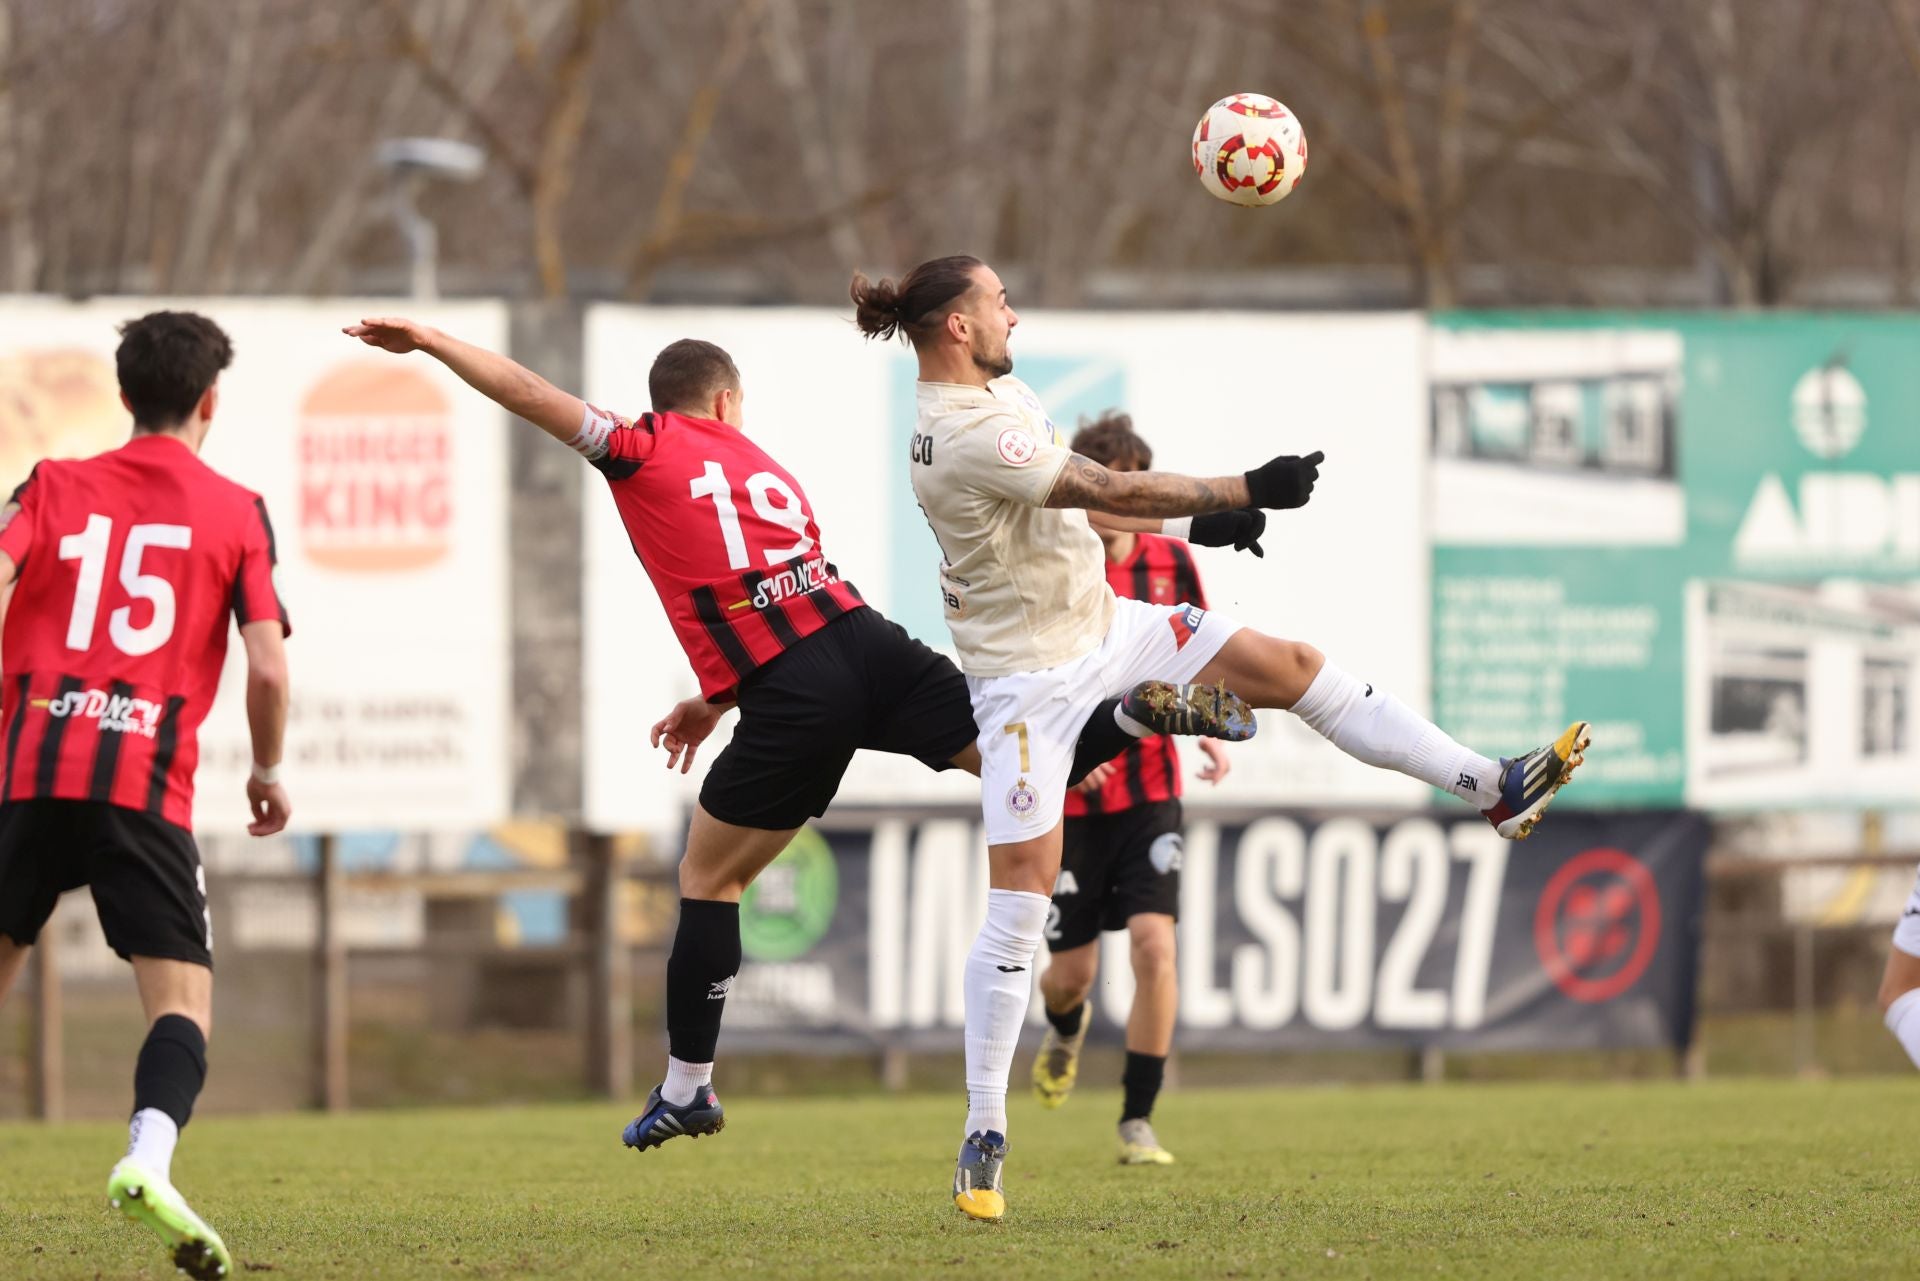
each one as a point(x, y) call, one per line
point(1737, 1179)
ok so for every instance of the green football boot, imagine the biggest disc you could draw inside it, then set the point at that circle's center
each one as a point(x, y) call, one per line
point(144, 1197)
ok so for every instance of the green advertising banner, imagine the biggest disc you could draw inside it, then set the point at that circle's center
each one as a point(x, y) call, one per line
point(1702, 533)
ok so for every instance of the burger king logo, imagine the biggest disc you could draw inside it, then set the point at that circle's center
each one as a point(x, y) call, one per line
point(375, 449)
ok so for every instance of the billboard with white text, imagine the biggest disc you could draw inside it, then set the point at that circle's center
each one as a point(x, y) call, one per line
point(385, 479)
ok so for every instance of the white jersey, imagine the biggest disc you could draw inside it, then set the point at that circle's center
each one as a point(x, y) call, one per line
point(1025, 586)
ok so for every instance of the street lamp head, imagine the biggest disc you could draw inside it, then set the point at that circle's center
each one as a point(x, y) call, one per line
point(431, 158)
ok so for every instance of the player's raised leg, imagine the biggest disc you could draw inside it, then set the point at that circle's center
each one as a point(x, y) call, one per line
point(1372, 725)
point(178, 999)
point(1900, 984)
point(1156, 1004)
point(722, 859)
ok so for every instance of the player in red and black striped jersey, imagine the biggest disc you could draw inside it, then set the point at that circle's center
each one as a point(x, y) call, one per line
point(731, 545)
point(125, 570)
point(1120, 861)
point(1160, 570)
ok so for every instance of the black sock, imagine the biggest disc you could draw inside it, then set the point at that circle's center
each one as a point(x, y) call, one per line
point(700, 970)
point(171, 1068)
point(1101, 739)
point(1141, 1080)
point(1068, 1023)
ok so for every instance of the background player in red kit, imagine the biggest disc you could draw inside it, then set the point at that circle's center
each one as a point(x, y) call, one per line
point(1120, 858)
point(125, 570)
point(731, 545)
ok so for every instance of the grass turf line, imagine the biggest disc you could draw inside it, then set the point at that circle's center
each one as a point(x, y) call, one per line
point(1727, 1179)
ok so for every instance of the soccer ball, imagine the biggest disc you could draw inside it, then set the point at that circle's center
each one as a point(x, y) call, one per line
point(1249, 150)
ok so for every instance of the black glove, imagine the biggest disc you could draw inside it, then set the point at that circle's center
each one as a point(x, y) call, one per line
point(1285, 482)
point(1239, 529)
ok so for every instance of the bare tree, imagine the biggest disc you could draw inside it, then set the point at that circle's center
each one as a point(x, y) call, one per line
point(1464, 151)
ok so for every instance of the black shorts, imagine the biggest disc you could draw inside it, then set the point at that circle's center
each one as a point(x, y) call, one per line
point(1114, 866)
point(859, 682)
point(148, 885)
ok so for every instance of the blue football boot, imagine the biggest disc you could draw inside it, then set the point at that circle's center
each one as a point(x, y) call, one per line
point(1527, 783)
point(662, 1120)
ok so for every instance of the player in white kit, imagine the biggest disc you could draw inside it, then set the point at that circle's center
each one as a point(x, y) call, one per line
point(1900, 985)
point(1042, 638)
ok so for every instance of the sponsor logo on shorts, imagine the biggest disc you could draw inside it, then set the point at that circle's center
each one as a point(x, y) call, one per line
point(1185, 622)
point(1165, 852)
point(1023, 801)
point(794, 580)
point(121, 713)
point(1017, 447)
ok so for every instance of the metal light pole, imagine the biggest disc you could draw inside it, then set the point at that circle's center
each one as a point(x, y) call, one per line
point(409, 164)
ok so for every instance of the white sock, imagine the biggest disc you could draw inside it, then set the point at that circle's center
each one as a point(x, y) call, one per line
point(151, 1136)
point(1373, 726)
point(999, 979)
point(1903, 1020)
point(1129, 724)
point(684, 1081)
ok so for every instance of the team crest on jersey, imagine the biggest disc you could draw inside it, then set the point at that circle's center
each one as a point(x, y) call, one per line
point(1185, 623)
point(1022, 800)
point(1017, 447)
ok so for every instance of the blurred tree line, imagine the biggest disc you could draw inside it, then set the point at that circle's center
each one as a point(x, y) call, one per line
point(1474, 152)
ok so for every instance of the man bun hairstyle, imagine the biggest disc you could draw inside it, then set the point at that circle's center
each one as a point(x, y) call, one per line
point(915, 306)
point(166, 361)
point(1111, 441)
point(687, 374)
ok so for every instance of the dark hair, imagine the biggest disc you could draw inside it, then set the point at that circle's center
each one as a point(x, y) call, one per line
point(915, 306)
point(687, 373)
point(1111, 440)
point(166, 362)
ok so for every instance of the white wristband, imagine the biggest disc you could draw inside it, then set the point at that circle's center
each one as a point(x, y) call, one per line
point(266, 775)
point(1180, 527)
point(590, 442)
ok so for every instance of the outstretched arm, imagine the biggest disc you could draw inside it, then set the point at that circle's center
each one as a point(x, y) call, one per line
point(508, 384)
point(1085, 483)
point(1282, 482)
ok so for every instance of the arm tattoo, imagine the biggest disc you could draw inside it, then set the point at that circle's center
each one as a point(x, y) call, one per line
point(1086, 484)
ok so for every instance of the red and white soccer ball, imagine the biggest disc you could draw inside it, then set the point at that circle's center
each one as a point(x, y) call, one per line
point(1249, 150)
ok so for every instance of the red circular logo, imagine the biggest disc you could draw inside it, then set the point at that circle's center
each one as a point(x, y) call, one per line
point(1017, 447)
point(1598, 924)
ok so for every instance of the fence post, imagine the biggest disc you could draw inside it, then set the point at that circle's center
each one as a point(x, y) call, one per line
point(47, 1071)
point(895, 1068)
point(330, 996)
point(1804, 1052)
point(610, 974)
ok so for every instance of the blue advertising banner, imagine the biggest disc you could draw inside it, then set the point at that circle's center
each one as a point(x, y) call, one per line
point(1297, 932)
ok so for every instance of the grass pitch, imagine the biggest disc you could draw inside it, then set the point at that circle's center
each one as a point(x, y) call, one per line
point(1735, 1179)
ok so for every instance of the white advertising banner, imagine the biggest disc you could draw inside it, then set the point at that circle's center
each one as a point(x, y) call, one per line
point(1212, 393)
point(386, 482)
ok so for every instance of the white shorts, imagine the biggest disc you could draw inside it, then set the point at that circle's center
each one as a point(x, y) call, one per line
point(1906, 931)
point(1030, 721)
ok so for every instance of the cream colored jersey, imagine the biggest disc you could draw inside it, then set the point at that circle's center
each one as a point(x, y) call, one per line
point(1025, 586)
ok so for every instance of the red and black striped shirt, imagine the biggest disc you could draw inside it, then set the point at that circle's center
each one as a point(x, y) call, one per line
point(729, 540)
point(128, 566)
point(1159, 570)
